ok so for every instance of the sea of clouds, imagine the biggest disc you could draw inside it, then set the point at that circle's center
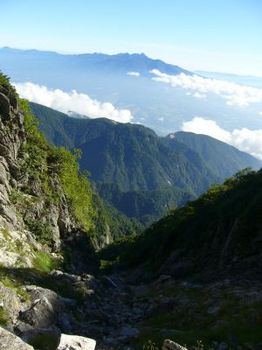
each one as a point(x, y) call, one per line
point(245, 139)
point(233, 93)
point(72, 101)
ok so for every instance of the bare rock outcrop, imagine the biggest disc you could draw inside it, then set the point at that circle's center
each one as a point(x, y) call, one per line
point(171, 345)
point(75, 342)
point(9, 341)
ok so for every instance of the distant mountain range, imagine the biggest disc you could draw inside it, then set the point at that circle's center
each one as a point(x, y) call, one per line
point(248, 80)
point(125, 81)
point(141, 174)
point(121, 63)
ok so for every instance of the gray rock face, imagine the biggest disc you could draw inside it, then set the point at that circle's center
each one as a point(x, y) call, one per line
point(171, 345)
point(45, 309)
point(24, 206)
point(74, 342)
point(9, 341)
point(11, 303)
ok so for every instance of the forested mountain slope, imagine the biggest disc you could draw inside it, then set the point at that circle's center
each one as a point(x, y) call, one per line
point(219, 156)
point(138, 172)
point(219, 234)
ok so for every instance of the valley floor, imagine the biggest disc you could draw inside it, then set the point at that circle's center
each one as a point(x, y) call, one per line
point(119, 315)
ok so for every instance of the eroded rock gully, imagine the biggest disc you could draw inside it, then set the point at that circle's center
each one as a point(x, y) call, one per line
point(115, 313)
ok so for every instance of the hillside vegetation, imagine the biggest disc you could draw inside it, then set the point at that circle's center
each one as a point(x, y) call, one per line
point(222, 158)
point(136, 171)
point(53, 174)
point(220, 231)
point(194, 274)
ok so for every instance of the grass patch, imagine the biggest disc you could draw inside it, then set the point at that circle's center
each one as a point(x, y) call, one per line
point(243, 333)
point(4, 317)
point(24, 276)
point(44, 262)
point(234, 322)
point(5, 234)
point(14, 284)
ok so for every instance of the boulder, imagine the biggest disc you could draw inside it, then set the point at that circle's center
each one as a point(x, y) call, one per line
point(74, 342)
point(9, 341)
point(45, 309)
point(171, 345)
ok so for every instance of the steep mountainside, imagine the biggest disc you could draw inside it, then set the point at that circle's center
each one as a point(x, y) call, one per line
point(42, 194)
point(138, 172)
point(201, 268)
point(220, 231)
point(41, 184)
point(131, 166)
point(51, 221)
point(219, 156)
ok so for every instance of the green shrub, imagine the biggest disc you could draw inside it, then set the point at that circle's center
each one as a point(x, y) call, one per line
point(45, 163)
point(41, 230)
point(4, 318)
point(6, 87)
point(75, 185)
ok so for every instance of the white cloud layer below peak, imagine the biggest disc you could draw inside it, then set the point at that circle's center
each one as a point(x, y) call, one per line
point(234, 94)
point(133, 74)
point(72, 101)
point(244, 139)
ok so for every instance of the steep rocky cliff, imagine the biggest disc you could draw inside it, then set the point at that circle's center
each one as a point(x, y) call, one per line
point(49, 219)
point(36, 215)
point(43, 224)
point(14, 235)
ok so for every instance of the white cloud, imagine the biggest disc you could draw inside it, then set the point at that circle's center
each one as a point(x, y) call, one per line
point(234, 94)
point(198, 95)
point(161, 119)
point(246, 140)
point(134, 74)
point(72, 101)
point(199, 125)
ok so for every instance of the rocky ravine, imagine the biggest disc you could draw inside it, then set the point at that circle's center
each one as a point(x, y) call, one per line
point(28, 310)
point(117, 311)
point(36, 305)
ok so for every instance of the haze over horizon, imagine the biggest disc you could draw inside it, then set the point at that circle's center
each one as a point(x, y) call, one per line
point(222, 37)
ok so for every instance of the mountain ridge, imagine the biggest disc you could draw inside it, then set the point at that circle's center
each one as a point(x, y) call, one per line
point(140, 62)
point(161, 106)
point(124, 159)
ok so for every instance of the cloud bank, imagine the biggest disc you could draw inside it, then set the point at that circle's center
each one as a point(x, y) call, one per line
point(72, 101)
point(244, 139)
point(134, 74)
point(234, 94)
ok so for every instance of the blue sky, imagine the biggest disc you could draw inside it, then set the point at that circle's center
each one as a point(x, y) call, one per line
point(217, 35)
